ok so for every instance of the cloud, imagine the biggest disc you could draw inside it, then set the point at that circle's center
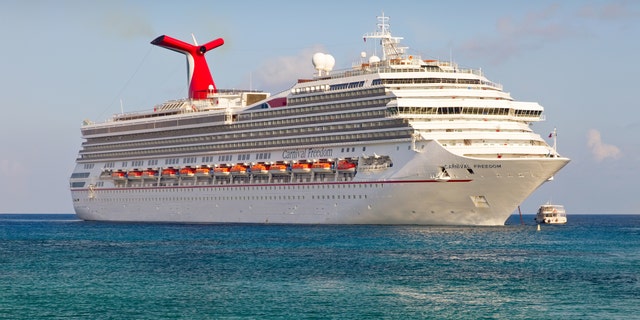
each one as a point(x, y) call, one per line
point(515, 35)
point(13, 185)
point(11, 169)
point(614, 11)
point(278, 73)
point(600, 149)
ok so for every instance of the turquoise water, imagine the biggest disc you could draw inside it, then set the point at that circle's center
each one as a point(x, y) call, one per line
point(58, 267)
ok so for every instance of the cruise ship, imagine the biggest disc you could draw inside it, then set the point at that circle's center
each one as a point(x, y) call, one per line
point(394, 139)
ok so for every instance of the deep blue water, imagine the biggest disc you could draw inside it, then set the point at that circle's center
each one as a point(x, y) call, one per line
point(58, 267)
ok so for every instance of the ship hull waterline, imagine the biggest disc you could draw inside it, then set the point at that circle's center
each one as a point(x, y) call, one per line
point(480, 192)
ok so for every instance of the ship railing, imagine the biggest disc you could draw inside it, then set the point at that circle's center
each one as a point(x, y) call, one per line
point(237, 91)
point(366, 68)
point(177, 107)
point(189, 107)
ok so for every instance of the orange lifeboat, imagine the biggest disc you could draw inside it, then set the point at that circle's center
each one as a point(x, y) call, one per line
point(203, 172)
point(119, 175)
point(187, 172)
point(149, 174)
point(169, 173)
point(259, 169)
point(345, 166)
point(239, 170)
point(134, 175)
point(278, 168)
point(301, 167)
point(221, 171)
point(321, 167)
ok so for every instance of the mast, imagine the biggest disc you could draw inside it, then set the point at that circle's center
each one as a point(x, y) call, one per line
point(555, 141)
point(390, 48)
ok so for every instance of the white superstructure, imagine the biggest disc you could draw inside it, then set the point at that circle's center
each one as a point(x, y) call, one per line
point(393, 140)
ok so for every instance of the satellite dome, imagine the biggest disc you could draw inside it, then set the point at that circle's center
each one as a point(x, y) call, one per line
point(330, 61)
point(319, 61)
point(323, 62)
point(374, 59)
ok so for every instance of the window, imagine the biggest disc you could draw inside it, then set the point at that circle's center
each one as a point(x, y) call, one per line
point(189, 160)
point(171, 161)
point(79, 175)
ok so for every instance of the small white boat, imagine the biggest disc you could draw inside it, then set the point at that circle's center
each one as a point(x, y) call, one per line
point(551, 214)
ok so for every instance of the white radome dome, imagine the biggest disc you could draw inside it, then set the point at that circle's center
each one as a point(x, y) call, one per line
point(318, 61)
point(330, 62)
point(323, 61)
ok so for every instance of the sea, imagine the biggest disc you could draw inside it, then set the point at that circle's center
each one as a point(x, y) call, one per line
point(60, 267)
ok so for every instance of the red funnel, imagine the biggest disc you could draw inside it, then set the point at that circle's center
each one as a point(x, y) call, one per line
point(199, 76)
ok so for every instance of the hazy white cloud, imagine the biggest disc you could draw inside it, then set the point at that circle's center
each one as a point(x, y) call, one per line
point(11, 169)
point(277, 73)
point(13, 185)
point(515, 35)
point(617, 10)
point(600, 149)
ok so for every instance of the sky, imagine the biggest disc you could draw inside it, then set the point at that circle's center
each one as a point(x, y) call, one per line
point(65, 61)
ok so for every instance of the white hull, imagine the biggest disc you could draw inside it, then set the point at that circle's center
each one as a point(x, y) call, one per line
point(391, 140)
point(406, 193)
point(551, 214)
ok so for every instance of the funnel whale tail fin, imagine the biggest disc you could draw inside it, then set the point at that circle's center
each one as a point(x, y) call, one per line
point(199, 76)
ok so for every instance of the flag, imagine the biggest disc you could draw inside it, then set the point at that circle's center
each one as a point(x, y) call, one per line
point(550, 134)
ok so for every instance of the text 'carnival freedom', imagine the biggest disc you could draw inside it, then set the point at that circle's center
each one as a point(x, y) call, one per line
point(307, 153)
point(475, 166)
